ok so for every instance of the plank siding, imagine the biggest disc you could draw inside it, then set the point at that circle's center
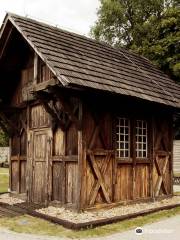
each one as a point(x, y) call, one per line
point(39, 117)
point(123, 187)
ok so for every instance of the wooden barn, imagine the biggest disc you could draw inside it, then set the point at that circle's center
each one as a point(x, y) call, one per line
point(89, 124)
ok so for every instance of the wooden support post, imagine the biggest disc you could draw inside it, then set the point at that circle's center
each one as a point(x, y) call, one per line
point(29, 167)
point(10, 165)
point(35, 69)
point(133, 154)
point(49, 167)
point(64, 169)
point(81, 161)
point(19, 171)
point(151, 156)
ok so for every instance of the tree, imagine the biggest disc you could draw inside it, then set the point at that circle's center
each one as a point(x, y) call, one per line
point(148, 27)
point(3, 139)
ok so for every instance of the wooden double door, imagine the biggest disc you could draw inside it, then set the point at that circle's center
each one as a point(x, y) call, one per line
point(39, 152)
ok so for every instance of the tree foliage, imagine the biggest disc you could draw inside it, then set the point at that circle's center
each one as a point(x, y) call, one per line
point(3, 139)
point(149, 27)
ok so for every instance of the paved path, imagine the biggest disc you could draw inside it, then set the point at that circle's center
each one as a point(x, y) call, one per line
point(167, 229)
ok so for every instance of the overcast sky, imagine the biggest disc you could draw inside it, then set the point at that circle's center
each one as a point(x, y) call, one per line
point(74, 15)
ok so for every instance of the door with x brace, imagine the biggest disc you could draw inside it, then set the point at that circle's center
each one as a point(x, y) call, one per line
point(99, 175)
point(162, 158)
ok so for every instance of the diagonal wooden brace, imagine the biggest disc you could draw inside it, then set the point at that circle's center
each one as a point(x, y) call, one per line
point(96, 185)
point(99, 177)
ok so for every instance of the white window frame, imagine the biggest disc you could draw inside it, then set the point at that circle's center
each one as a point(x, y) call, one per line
point(123, 138)
point(141, 139)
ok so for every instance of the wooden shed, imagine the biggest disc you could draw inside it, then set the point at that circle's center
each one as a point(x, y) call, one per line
point(89, 124)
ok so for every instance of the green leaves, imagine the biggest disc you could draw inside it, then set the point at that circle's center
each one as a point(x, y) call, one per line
point(3, 139)
point(149, 27)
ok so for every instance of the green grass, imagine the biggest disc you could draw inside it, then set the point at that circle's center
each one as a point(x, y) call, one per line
point(176, 174)
point(28, 224)
point(4, 179)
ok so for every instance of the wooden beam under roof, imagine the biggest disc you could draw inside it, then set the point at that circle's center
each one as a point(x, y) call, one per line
point(3, 46)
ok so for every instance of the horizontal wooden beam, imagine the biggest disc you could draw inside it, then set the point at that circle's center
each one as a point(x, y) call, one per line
point(100, 152)
point(61, 158)
point(44, 85)
point(28, 92)
point(17, 158)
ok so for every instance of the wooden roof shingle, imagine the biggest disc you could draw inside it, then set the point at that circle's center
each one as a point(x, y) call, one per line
point(80, 61)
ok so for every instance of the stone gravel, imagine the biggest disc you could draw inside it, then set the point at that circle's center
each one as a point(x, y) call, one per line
point(87, 216)
point(6, 198)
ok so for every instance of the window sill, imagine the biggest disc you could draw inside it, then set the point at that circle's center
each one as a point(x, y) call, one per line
point(143, 160)
point(130, 161)
point(124, 161)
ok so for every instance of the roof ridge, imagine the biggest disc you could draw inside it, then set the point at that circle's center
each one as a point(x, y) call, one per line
point(100, 43)
point(41, 36)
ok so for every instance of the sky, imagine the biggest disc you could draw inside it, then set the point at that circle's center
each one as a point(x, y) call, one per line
point(73, 15)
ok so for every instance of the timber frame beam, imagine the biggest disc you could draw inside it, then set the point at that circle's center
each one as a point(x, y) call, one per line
point(61, 116)
point(46, 99)
point(66, 107)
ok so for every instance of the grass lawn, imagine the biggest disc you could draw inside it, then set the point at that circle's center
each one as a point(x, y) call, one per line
point(176, 174)
point(4, 179)
point(28, 224)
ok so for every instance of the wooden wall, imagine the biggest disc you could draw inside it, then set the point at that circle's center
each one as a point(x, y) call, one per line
point(44, 157)
point(108, 180)
point(64, 166)
point(19, 154)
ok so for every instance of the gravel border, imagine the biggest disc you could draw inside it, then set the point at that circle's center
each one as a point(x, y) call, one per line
point(6, 198)
point(87, 216)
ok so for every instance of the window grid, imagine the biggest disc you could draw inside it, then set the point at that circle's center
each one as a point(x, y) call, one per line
point(123, 138)
point(141, 139)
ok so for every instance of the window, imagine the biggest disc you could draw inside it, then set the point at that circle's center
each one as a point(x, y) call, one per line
point(128, 133)
point(123, 138)
point(141, 139)
point(44, 74)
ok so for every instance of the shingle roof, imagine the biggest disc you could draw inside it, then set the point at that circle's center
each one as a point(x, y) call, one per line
point(78, 60)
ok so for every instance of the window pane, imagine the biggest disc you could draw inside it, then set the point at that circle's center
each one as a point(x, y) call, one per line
point(123, 137)
point(141, 139)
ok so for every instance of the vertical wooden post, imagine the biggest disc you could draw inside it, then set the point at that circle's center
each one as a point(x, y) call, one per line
point(64, 170)
point(49, 167)
point(115, 165)
point(171, 155)
point(29, 164)
point(10, 165)
point(81, 160)
point(19, 172)
point(133, 154)
point(35, 68)
point(151, 155)
point(19, 165)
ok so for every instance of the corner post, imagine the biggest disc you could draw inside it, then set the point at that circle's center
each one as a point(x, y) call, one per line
point(81, 161)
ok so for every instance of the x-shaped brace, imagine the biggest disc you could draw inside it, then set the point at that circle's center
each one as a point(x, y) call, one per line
point(99, 172)
point(161, 173)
